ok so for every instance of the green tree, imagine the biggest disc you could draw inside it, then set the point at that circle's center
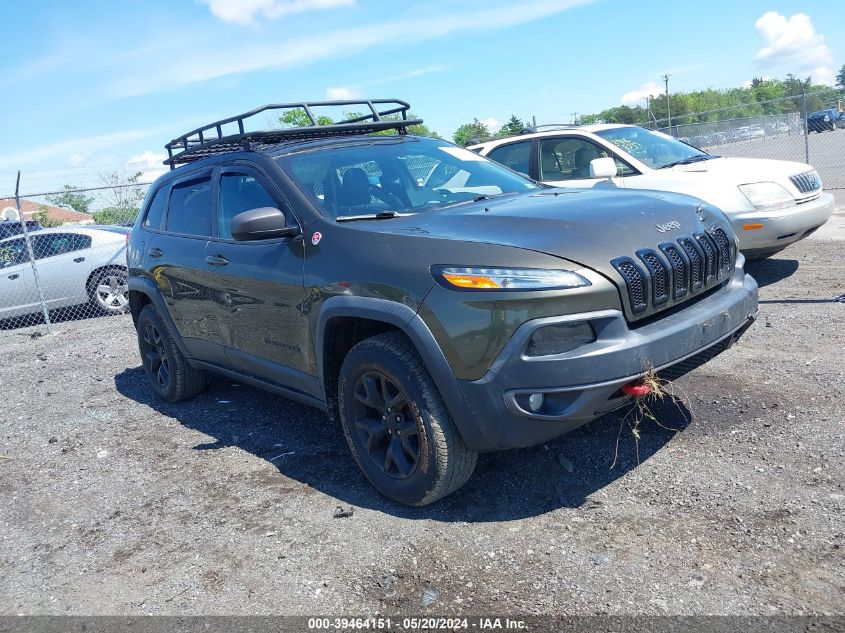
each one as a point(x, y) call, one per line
point(513, 127)
point(44, 219)
point(70, 198)
point(116, 215)
point(475, 131)
point(840, 78)
point(121, 199)
point(299, 118)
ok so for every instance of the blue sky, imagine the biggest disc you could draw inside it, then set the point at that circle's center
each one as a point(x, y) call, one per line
point(92, 86)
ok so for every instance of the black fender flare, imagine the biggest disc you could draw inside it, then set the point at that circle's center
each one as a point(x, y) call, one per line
point(148, 288)
point(409, 322)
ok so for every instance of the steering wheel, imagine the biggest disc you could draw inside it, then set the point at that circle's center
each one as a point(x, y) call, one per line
point(385, 196)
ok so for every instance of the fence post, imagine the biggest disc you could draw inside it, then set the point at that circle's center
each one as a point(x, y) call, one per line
point(806, 127)
point(28, 241)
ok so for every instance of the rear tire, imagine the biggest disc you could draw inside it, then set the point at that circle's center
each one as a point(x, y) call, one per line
point(168, 372)
point(109, 291)
point(396, 424)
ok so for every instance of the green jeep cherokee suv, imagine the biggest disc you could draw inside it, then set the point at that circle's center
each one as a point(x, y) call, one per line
point(436, 303)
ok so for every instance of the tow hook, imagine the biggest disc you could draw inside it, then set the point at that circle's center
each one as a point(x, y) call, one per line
point(637, 389)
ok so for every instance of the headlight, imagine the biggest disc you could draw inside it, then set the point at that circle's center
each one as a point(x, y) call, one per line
point(457, 278)
point(767, 195)
point(559, 338)
point(826, 119)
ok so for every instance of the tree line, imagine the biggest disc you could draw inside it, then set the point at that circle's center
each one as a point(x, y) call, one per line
point(762, 97)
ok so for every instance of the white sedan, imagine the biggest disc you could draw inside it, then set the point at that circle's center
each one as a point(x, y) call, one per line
point(75, 266)
point(771, 203)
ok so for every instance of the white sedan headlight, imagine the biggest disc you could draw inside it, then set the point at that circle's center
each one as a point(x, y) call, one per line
point(767, 196)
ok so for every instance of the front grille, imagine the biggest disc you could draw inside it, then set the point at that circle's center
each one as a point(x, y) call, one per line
point(690, 266)
point(807, 182)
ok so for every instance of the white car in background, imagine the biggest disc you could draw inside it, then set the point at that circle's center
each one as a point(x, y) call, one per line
point(76, 266)
point(771, 203)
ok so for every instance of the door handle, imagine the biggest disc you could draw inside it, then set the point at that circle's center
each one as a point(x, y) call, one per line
point(79, 260)
point(156, 252)
point(15, 276)
point(216, 260)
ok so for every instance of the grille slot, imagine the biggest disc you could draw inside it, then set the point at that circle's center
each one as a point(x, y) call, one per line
point(723, 244)
point(711, 257)
point(696, 262)
point(635, 282)
point(680, 269)
point(659, 276)
point(806, 182)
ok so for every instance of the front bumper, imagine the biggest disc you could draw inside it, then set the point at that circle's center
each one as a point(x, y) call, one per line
point(782, 227)
point(583, 384)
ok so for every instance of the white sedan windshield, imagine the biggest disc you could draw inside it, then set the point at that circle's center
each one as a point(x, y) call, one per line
point(655, 149)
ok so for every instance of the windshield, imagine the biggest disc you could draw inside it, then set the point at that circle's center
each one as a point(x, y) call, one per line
point(406, 175)
point(655, 149)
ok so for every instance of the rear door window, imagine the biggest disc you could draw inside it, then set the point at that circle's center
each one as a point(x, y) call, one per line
point(189, 212)
point(517, 156)
point(54, 244)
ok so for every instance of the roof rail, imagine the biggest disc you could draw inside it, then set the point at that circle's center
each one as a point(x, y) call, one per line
point(209, 140)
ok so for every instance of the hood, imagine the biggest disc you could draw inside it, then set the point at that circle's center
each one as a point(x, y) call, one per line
point(717, 180)
point(589, 227)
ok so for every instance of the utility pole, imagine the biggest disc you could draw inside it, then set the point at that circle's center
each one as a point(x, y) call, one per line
point(574, 118)
point(668, 110)
point(647, 109)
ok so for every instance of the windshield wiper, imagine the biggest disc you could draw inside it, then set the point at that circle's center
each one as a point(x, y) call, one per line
point(381, 215)
point(689, 160)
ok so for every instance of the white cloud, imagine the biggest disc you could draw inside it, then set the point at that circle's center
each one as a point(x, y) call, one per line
point(491, 124)
point(650, 89)
point(189, 66)
point(792, 44)
point(148, 163)
point(78, 159)
point(342, 93)
point(245, 11)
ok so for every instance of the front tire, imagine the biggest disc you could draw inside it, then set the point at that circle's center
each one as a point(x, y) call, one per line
point(396, 424)
point(168, 372)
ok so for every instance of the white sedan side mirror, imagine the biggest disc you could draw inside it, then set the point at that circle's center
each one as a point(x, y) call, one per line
point(602, 168)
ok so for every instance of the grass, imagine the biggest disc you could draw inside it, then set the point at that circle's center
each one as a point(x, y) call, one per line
point(659, 389)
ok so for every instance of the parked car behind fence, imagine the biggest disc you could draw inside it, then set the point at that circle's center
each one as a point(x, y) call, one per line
point(84, 268)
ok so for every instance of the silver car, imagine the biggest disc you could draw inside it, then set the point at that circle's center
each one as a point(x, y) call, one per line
point(76, 266)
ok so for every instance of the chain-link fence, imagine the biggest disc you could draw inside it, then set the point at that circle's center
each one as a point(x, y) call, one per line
point(58, 265)
point(804, 128)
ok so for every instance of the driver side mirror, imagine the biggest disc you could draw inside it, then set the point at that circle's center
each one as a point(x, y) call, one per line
point(261, 224)
point(602, 168)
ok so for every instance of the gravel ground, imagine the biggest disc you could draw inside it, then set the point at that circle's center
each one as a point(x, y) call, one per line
point(114, 503)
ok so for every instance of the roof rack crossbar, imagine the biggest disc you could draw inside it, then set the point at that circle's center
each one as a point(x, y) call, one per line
point(209, 140)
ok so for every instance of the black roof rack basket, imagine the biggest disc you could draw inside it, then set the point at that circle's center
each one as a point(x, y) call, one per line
point(209, 140)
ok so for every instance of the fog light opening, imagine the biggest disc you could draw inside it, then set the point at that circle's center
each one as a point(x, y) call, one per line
point(535, 402)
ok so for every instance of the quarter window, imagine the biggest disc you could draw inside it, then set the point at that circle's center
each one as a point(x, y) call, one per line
point(238, 193)
point(189, 212)
point(155, 212)
point(517, 156)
